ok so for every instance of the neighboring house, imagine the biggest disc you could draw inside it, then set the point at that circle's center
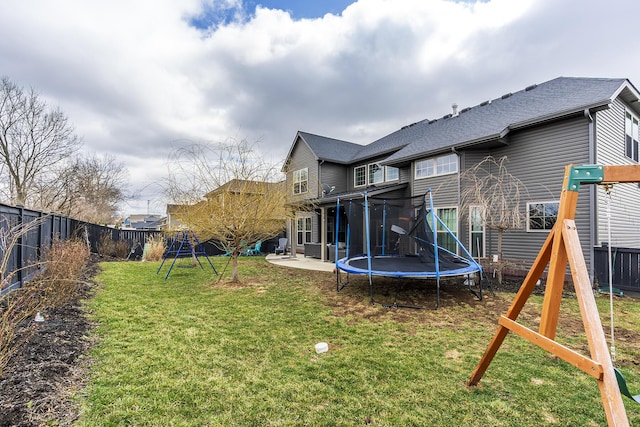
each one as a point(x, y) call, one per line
point(144, 222)
point(173, 218)
point(540, 129)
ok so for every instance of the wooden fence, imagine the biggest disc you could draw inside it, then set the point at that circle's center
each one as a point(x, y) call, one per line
point(41, 230)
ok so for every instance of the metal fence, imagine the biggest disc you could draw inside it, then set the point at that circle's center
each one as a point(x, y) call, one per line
point(625, 268)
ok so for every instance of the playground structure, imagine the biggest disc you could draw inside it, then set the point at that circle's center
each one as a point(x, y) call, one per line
point(184, 244)
point(562, 246)
point(400, 238)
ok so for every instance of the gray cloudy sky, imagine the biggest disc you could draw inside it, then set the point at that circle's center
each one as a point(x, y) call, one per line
point(139, 78)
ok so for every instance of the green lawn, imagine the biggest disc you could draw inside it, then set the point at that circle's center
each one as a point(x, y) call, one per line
point(189, 351)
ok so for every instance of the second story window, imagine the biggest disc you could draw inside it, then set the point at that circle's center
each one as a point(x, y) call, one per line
point(631, 136)
point(376, 173)
point(373, 173)
point(392, 173)
point(360, 176)
point(441, 165)
point(301, 181)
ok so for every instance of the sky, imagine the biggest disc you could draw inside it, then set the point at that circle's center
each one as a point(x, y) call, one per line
point(139, 79)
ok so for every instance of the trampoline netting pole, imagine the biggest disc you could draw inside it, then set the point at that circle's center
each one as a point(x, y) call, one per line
point(435, 246)
point(368, 243)
point(337, 252)
point(384, 226)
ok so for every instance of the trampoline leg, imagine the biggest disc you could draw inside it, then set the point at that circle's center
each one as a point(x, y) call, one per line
point(371, 290)
point(437, 294)
point(339, 284)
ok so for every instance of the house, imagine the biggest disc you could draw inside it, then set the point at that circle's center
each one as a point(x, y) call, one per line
point(144, 222)
point(540, 129)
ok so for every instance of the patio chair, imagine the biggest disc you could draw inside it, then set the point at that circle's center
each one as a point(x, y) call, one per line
point(282, 245)
point(255, 250)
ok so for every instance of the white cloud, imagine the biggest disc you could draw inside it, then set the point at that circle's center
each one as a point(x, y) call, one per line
point(136, 78)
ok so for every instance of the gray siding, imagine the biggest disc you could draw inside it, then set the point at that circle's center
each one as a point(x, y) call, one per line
point(625, 198)
point(303, 157)
point(334, 175)
point(538, 158)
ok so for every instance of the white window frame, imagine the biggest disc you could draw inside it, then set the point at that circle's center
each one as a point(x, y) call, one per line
point(441, 230)
point(437, 166)
point(362, 168)
point(395, 174)
point(544, 216)
point(483, 230)
point(304, 234)
point(375, 173)
point(631, 136)
point(299, 182)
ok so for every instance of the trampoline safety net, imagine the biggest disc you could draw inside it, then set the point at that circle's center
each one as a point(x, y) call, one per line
point(398, 238)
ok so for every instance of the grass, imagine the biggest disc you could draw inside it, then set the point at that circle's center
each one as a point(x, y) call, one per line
point(189, 351)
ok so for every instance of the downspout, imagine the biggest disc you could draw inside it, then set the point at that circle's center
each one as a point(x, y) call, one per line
point(323, 220)
point(593, 210)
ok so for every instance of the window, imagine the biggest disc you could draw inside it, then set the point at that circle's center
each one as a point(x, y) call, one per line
point(441, 165)
point(476, 232)
point(373, 173)
point(425, 168)
point(392, 173)
point(304, 230)
point(450, 218)
point(541, 216)
point(301, 181)
point(447, 164)
point(631, 136)
point(376, 173)
point(360, 176)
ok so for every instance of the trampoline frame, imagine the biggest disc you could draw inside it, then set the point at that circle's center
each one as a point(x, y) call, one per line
point(343, 264)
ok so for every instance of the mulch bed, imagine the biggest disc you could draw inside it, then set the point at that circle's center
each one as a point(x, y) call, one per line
point(41, 379)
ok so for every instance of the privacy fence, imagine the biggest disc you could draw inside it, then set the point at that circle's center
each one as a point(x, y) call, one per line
point(625, 268)
point(34, 233)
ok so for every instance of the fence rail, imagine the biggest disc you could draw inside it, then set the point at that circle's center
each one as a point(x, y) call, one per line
point(625, 268)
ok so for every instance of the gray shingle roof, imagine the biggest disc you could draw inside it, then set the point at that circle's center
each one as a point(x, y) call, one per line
point(555, 98)
point(486, 121)
point(334, 150)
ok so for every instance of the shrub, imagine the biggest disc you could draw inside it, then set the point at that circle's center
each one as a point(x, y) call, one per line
point(155, 249)
point(54, 287)
point(107, 247)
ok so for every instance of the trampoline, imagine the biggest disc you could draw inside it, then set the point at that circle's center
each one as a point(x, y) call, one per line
point(401, 238)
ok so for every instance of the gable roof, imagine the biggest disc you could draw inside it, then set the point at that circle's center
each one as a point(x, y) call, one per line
point(490, 120)
point(331, 149)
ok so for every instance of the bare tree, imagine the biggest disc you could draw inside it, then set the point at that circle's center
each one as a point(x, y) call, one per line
point(497, 193)
point(95, 186)
point(34, 139)
point(228, 195)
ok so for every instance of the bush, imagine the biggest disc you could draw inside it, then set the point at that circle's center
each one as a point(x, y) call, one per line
point(155, 249)
point(107, 247)
point(55, 286)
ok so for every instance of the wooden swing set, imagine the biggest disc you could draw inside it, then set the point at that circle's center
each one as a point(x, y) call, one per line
point(562, 246)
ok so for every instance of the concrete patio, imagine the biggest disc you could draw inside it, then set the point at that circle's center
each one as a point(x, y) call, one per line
point(300, 261)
